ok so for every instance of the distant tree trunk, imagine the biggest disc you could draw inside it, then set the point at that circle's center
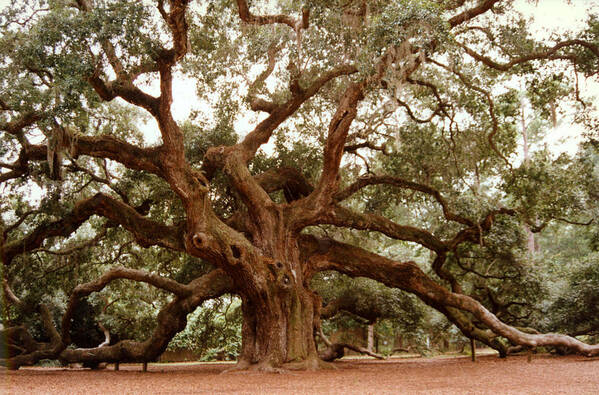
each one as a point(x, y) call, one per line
point(553, 110)
point(530, 235)
point(398, 342)
point(370, 338)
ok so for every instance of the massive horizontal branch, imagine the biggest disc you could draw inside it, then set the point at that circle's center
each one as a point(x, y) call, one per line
point(347, 218)
point(295, 186)
point(109, 147)
point(116, 273)
point(28, 350)
point(355, 261)
point(171, 320)
point(145, 231)
point(464, 324)
point(337, 350)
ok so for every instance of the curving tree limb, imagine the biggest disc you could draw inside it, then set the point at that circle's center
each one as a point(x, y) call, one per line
point(355, 261)
point(171, 320)
point(145, 231)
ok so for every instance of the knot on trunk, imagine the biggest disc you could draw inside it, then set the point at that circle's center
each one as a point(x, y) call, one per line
point(235, 254)
point(281, 274)
point(201, 241)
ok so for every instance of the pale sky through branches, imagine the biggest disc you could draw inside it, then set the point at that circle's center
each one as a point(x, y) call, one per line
point(548, 15)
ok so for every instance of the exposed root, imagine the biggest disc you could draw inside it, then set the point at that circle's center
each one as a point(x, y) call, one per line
point(310, 364)
point(243, 366)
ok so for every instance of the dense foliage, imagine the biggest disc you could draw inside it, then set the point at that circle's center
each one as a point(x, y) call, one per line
point(343, 165)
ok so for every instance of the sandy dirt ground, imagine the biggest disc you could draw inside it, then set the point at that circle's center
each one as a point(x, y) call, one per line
point(441, 375)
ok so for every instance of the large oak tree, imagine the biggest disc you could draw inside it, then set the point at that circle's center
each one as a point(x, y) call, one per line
point(356, 118)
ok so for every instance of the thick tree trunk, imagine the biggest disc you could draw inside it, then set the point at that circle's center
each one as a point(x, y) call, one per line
point(278, 311)
point(278, 330)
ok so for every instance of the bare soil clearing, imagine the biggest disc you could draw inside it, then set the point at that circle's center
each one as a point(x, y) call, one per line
point(489, 375)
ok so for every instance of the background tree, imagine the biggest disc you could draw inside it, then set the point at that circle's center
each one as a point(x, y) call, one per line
point(380, 140)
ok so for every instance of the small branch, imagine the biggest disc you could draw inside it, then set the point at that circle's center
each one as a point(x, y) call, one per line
point(263, 131)
point(106, 335)
point(354, 147)
point(491, 104)
point(75, 248)
point(474, 234)
point(481, 8)
point(549, 53)
point(413, 116)
point(441, 105)
point(257, 104)
point(482, 275)
point(576, 223)
point(248, 17)
point(16, 126)
point(24, 22)
point(18, 223)
point(76, 167)
point(10, 295)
